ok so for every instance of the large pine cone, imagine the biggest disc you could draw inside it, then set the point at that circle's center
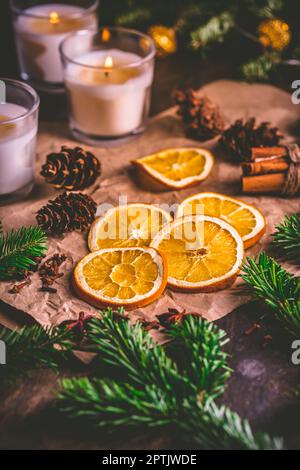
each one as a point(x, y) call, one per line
point(71, 169)
point(67, 212)
point(241, 136)
point(202, 118)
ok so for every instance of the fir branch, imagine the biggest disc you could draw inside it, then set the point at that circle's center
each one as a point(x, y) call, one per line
point(279, 289)
point(214, 30)
point(18, 248)
point(265, 8)
point(259, 69)
point(156, 391)
point(34, 347)
point(134, 17)
point(218, 428)
point(131, 349)
point(287, 236)
point(201, 357)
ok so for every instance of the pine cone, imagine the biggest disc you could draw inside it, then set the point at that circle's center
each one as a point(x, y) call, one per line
point(71, 169)
point(67, 212)
point(202, 118)
point(241, 136)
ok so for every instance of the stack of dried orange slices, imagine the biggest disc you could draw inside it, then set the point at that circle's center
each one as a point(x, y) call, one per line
point(137, 249)
point(122, 269)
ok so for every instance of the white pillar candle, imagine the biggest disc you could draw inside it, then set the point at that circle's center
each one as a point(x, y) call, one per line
point(109, 92)
point(40, 31)
point(17, 149)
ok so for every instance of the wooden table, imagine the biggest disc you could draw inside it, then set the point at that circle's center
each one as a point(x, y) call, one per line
point(261, 388)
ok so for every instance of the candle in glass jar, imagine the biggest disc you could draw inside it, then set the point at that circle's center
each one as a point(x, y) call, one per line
point(39, 32)
point(17, 149)
point(109, 94)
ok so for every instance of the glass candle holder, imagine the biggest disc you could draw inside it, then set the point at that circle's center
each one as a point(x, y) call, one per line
point(40, 26)
point(108, 76)
point(18, 129)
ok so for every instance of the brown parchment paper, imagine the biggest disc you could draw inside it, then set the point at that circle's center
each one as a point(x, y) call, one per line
point(236, 100)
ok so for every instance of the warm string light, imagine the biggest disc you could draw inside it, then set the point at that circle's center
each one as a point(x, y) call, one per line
point(54, 17)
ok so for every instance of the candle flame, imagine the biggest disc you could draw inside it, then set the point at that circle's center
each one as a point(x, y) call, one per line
point(54, 17)
point(105, 35)
point(108, 62)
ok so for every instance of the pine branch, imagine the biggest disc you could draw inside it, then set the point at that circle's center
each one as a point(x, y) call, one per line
point(265, 8)
point(18, 248)
point(214, 30)
point(130, 349)
point(219, 428)
point(279, 289)
point(34, 347)
point(201, 357)
point(156, 391)
point(134, 17)
point(259, 69)
point(287, 236)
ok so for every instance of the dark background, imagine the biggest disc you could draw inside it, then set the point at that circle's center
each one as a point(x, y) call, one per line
point(262, 388)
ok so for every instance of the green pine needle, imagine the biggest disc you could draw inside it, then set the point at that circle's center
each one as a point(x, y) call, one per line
point(18, 248)
point(218, 428)
point(260, 68)
point(287, 237)
point(158, 390)
point(214, 30)
point(204, 360)
point(34, 347)
point(279, 289)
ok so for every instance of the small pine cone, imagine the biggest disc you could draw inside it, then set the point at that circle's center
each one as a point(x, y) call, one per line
point(241, 136)
point(67, 212)
point(201, 116)
point(71, 169)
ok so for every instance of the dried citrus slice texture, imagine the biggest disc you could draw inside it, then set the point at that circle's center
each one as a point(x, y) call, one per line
point(127, 226)
point(128, 277)
point(203, 253)
point(246, 219)
point(174, 168)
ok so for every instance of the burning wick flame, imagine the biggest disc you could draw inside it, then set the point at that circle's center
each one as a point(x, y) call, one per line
point(108, 64)
point(54, 17)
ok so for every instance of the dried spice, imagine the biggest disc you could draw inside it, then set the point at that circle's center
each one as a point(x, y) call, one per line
point(16, 288)
point(67, 212)
point(200, 115)
point(173, 317)
point(252, 329)
point(238, 140)
point(71, 169)
point(49, 272)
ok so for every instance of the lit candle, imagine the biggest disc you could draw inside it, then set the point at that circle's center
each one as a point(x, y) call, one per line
point(40, 30)
point(18, 129)
point(109, 88)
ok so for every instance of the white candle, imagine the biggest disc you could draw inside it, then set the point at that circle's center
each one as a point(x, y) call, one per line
point(108, 97)
point(17, 149)
point(40, 31)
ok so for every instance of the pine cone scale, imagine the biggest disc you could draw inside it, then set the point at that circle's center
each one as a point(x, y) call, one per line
point(68, 212)
point(71, 169)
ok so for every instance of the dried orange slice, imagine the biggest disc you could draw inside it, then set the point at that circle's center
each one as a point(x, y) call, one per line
point(203, 253)
point(246, 219)
point(174, 168)
point(127, 225)
point(127, 277)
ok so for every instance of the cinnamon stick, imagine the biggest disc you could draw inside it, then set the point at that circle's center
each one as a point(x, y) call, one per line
point(269, 183)
point(271, 165)
point(267, 152)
